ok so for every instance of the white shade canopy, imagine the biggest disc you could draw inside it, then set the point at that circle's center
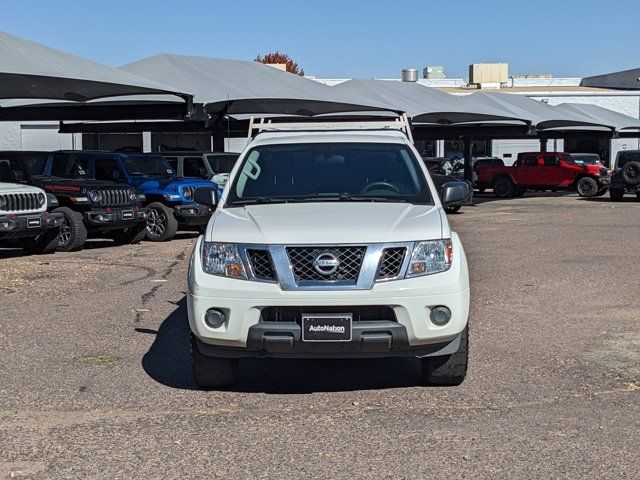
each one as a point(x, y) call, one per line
point(244, 87)
point(29, 70)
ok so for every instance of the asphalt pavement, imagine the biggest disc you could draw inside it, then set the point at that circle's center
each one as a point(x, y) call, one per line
point(95, 377)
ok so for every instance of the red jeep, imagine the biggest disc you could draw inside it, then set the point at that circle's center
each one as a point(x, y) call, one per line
point(544, 171)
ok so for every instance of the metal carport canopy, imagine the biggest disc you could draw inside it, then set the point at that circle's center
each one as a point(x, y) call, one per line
point(428, 105)
point(541, 115)
point(228, 87)
point(29, 70)
point(619, 121)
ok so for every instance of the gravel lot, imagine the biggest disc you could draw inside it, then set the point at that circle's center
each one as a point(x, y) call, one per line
point(95, 379)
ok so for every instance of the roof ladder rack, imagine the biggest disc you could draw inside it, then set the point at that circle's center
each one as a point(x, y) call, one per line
point(400, 123)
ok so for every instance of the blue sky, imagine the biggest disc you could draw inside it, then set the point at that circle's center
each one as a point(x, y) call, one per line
point(332, 38)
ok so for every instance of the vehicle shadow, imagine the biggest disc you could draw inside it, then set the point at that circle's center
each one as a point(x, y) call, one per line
point(487, 197)
point(168, 362)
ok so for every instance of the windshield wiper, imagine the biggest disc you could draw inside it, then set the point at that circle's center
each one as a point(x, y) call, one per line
point(258, 201)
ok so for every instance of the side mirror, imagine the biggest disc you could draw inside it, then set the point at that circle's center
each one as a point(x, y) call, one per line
point(454, 192)
point(207, 196)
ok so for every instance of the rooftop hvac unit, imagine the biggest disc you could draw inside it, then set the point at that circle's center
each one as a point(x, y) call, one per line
point(488, 74)
point(409, 75)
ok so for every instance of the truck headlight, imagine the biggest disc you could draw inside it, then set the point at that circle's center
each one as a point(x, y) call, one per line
point(41, 199)
point(431, 256)
point(95, 196)
point(186, 192)
point(222, 259)
point(133, 196)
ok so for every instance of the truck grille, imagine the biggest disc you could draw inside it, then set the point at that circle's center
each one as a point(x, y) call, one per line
point(261, 264)
point(115, 197)
point(391, 262)
point(19, 202)
point(349, 258)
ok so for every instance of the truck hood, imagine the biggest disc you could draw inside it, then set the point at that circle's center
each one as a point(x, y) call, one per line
point(166, 183)
point(327, 223)
point(74, 184)
point(18, 188)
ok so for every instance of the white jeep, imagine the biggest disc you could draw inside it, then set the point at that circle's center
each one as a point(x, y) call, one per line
point(24, 218)
point(329, 244)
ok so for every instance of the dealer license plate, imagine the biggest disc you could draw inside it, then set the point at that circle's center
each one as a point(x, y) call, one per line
point(326, 327)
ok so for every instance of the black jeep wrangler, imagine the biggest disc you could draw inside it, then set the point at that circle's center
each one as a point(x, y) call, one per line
point(89, 207)
point(626, 176)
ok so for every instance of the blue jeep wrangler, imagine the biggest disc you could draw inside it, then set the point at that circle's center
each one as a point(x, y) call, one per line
point(168, 199)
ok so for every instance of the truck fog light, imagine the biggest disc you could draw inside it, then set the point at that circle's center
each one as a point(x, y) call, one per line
point(440, 315)
point(214, 318)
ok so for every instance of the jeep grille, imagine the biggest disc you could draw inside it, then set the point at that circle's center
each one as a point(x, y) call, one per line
point(118, 197)
point(19, 202)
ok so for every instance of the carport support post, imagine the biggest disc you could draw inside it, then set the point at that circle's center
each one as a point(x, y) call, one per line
point(468, 152)
point(543, 145)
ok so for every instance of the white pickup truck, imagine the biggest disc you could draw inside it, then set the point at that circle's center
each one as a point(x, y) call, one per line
point(24, 218)
point(329, 245)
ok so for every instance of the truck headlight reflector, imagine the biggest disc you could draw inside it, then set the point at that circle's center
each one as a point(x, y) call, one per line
point(222, 259)
point(41, 199)
point(431, 256)
point(186, 192)
point(95, 196)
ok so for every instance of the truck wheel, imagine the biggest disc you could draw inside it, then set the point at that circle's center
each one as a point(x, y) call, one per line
point(631, 173)
point(212, 372)
point(130, 235)
point(602, 191)
point(161, 223)
point(448, 369)
point(453, 208)
point(481, 189)
point(73, 233)
point(518, 191)
point(42, 244)
point(503, 188)
point(587, 187)
point(616, 194)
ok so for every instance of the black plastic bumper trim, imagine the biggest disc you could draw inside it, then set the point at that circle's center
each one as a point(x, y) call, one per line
point(377, 339)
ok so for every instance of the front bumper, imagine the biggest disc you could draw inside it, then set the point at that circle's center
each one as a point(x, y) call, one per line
point(114, 218)
point(245, 333)
point(192, 214)
point(16, 226)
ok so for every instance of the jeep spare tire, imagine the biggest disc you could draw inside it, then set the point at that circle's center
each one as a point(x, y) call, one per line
point(161, 223)
point(503, 188)
point(587, 187)
point(73, 233)
point(631, 173)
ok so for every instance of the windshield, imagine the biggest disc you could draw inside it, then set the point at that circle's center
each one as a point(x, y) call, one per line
point(68, 166)
point(329, 172)
point(585, 159)
point(150, 165)
point(222, 163)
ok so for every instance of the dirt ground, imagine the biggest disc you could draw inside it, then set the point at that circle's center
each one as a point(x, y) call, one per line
point(95, 379)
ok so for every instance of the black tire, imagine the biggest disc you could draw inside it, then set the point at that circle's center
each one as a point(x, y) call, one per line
point(638, 195)
point(161, 223)
point(518, 191)
point(602, 191)
point(448, 369)
point(587, 187)
point(212, 372)
point(73, 233)
point(130, 235)
point(503, 188)
point(481, 189)
point(42, 244)
point(631, 173)
point(616, 194)
point(453, 208)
